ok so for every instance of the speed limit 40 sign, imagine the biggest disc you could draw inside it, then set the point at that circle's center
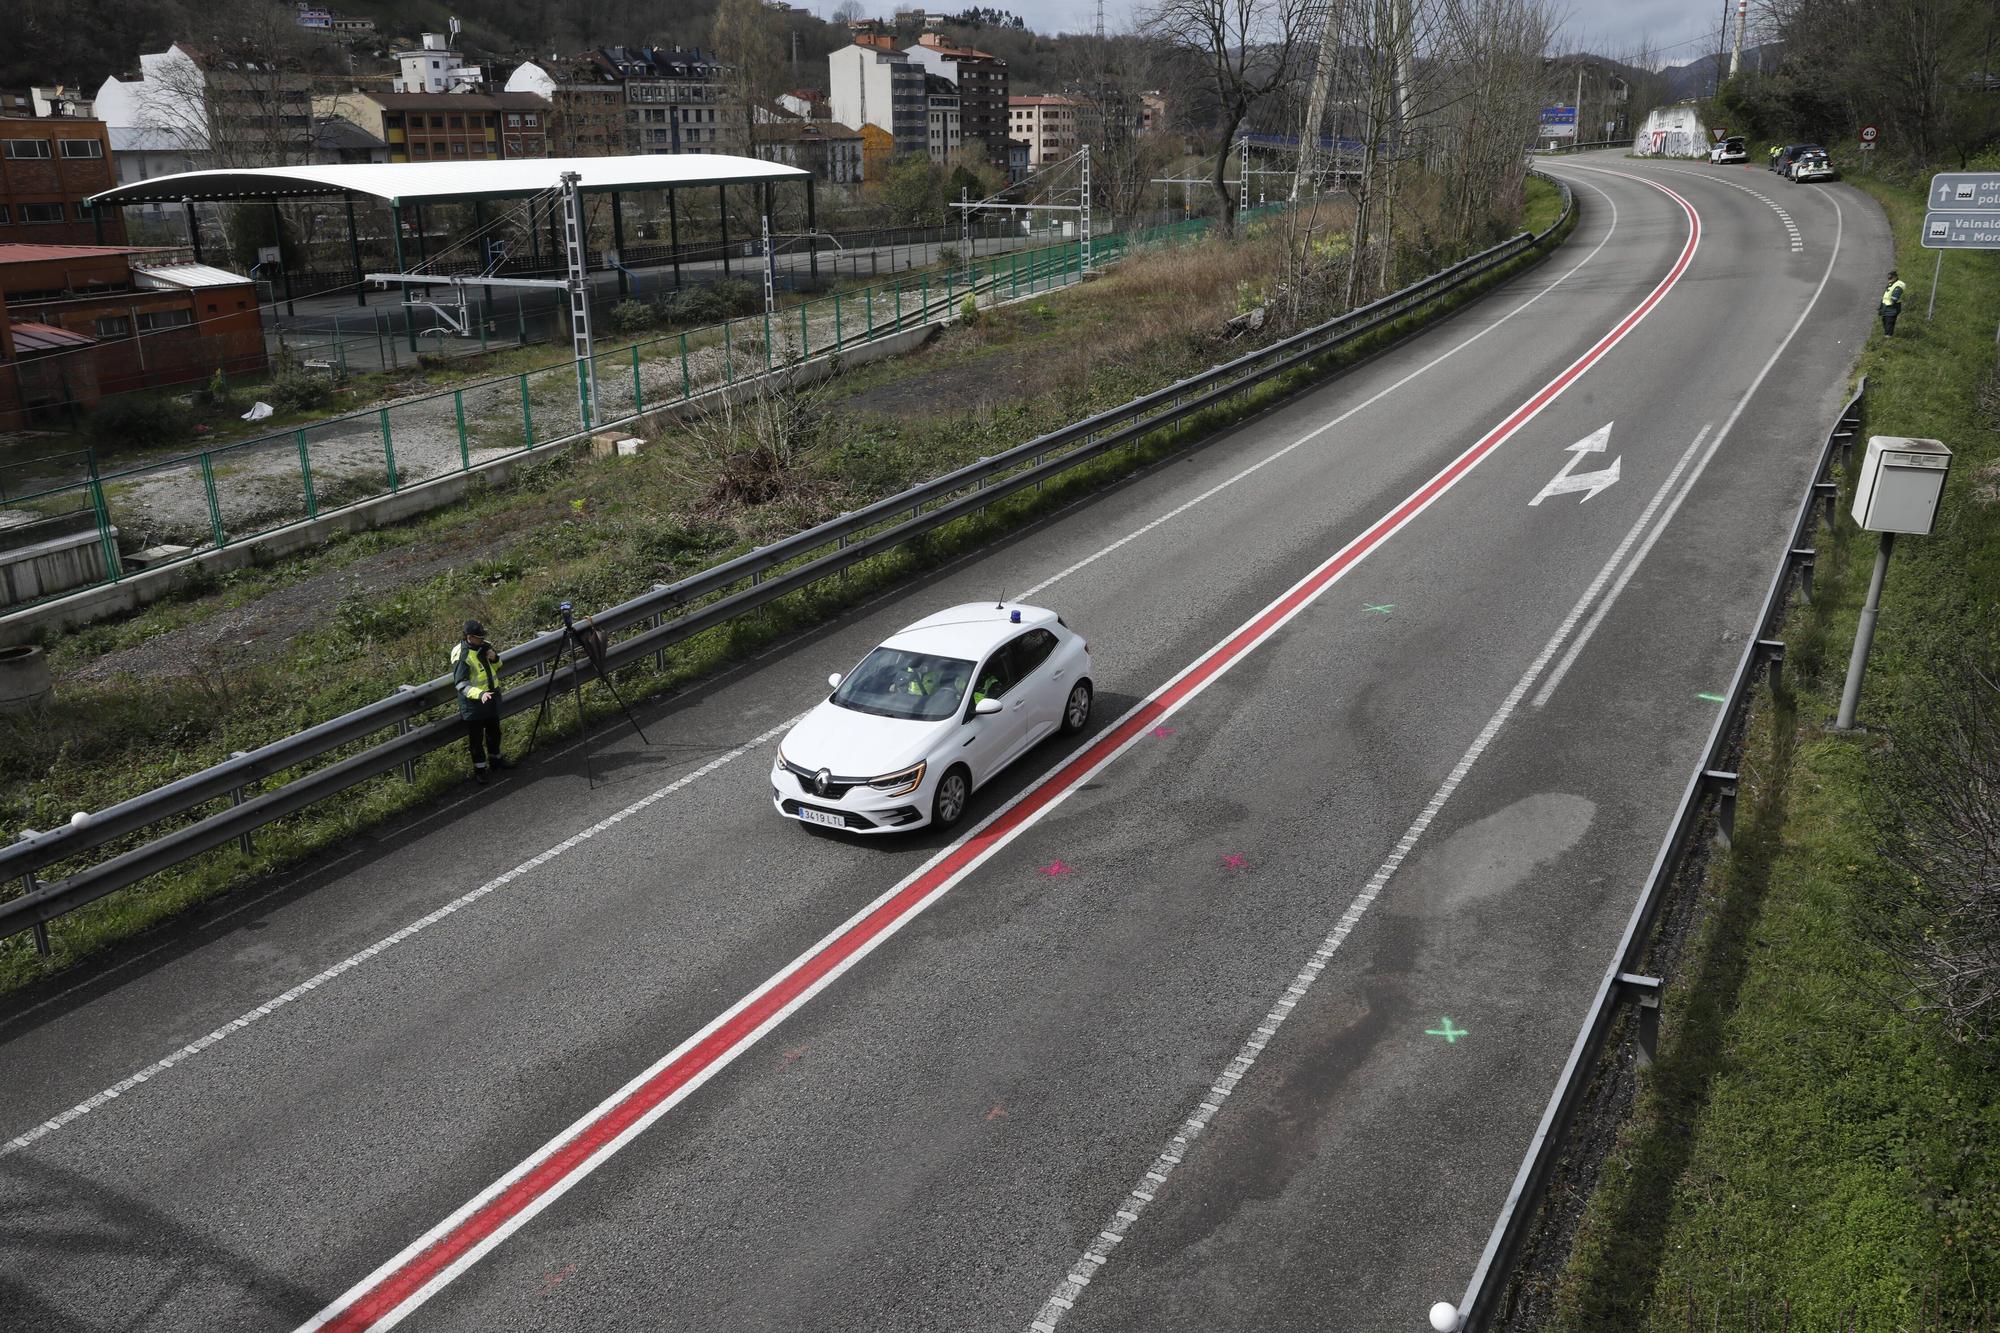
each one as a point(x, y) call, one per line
point(1868, 136)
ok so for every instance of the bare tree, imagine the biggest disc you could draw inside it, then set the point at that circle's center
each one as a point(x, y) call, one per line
point(747, 41)
point(1250, 49)
point(1937, 916)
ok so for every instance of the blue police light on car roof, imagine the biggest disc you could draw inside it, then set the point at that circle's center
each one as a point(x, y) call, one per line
point(1014, 617)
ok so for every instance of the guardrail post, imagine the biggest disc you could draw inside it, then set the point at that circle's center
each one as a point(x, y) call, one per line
point(1828, 494)
point(659, 618)
point(403, 729)
point(1723, 785)
point(28, 886)
point(236, 798)
point(1773, 653)
point(1644, 992)
point(1805, 557)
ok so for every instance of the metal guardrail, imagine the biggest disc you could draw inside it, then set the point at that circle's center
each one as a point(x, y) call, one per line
point(667, 615)
point(1714, 780)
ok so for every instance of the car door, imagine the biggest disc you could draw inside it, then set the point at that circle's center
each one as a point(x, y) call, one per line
point(992, 739)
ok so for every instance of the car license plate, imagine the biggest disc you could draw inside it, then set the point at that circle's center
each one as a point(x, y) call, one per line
point(812, 816)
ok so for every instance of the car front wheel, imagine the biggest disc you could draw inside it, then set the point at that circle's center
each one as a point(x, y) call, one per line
point(1076, 712)
point(954, 789)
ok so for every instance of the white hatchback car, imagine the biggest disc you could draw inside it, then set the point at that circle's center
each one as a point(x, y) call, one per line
point(933, 713)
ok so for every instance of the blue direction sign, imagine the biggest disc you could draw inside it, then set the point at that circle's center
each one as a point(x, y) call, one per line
point(1965, 192)
point(1961, 231)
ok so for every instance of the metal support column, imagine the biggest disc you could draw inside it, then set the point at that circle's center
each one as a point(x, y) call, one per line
point(722, 193)
point(1084, 228)
point(674, 232)
point(579, 298)
point(618, 243)
point(194, 229)
point(396, 232)
point(812, 226)
point(1864, 636)
point(284, 269)
point(354, 255)
point(770, 271)
point(423, 244)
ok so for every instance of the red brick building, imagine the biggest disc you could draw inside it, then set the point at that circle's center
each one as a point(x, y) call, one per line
point(48, 166)
point(79, 322)
point(448, 127)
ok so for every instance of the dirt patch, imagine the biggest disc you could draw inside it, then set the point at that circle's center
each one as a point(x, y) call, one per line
point(263, 629)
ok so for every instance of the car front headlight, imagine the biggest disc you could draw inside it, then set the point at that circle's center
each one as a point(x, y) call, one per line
point(896, 784)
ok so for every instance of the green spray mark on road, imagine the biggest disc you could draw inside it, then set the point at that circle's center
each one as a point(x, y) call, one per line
point(1712, 698)
point(1383, 609)
point(1448, 1032)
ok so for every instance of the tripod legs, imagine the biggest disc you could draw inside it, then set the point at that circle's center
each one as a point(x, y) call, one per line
point(571, 652)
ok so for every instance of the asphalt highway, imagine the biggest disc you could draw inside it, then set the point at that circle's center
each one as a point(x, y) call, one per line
point(1239, 1017)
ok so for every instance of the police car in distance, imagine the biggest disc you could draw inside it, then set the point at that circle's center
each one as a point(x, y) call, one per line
point(1730, 149)
point(936, 711)
point(1812, 165)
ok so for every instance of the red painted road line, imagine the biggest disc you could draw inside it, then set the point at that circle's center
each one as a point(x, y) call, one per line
point(388, 1296)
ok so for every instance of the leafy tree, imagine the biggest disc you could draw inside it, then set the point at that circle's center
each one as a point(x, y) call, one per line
point(913, 190)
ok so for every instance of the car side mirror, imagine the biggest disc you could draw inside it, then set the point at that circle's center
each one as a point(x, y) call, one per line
point(834, 680)
point(987, 707)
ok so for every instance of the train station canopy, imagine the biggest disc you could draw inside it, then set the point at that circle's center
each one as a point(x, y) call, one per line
point(425, 182)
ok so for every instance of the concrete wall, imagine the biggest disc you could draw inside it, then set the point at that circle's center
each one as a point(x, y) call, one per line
point(50, 562)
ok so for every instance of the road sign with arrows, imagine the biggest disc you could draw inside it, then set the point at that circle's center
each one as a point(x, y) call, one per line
point(1964, 211)
point(1569, 480)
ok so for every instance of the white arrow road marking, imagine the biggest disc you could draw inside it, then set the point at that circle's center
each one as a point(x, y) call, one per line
point(1590, 483)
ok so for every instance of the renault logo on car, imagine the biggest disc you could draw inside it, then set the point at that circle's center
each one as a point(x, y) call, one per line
point(821, 779)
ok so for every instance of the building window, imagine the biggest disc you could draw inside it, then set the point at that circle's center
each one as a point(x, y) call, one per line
point(437, 122)
point(114, 326)
point(5, 216)
point(82, 148)
point(458, 122)
point(20, 148)
point(153, 320)
point(41, 213)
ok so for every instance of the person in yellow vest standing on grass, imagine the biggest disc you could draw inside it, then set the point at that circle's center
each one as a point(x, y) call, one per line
point(1892, 304)
point(475, 677)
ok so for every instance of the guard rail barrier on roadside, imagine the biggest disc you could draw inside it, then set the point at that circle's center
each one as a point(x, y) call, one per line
point(653, 622)
point(1712, 786)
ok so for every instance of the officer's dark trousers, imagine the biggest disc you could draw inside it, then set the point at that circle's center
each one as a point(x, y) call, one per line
point(482, 734)
point(1889, 321)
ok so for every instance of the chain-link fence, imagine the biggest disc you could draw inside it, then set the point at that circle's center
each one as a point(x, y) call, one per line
point(110, 525)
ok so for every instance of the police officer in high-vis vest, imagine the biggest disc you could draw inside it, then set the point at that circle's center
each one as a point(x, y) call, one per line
point(475, 677)
point(1892, 304)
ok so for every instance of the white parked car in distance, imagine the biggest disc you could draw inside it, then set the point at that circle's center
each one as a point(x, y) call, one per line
point(934, 713)
point(1730, 149)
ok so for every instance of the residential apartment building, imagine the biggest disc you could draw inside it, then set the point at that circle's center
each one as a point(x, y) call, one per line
point(832, 152)
point(586, 116)
point(981, 80)
point(1047, 124)
point(48, 167)
point(433, 67)
point(77, 322)
point(242, 111)
point(446, 127)
point(942, 119)
point(875, 85)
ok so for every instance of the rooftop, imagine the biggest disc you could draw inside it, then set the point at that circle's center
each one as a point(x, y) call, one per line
point(32, 337)
point(400, 182)
point(35, 254)
point(180, 277)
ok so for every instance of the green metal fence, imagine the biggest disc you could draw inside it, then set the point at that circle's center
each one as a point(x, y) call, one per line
point(109, 526)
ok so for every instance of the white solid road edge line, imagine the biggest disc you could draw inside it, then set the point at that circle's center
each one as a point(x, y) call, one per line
point(416, 927)
point(56, 1122)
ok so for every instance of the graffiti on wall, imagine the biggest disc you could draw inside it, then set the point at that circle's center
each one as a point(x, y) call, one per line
point(1672, 131)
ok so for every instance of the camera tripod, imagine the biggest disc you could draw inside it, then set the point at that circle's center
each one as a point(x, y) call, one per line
point(583, 650)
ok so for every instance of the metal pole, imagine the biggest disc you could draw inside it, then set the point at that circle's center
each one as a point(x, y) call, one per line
point(579, 298)
point(354, 255)
point(1864, 635)
point(396, 231)
point(674, 234)
point(278, 243)
point(722, 194)
point(1936, 269)
point(812, 227)
point(618, 240)
point(194, 229)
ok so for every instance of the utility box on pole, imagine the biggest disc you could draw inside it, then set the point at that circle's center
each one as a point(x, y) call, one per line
point(1899, 485)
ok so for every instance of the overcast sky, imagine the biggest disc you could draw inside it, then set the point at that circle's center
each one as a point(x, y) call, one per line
point(1605, 27)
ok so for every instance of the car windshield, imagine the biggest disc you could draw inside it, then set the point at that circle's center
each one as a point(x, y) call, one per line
point(893, 683)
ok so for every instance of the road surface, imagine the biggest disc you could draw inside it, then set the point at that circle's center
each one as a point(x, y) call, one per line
point(1239, 1019)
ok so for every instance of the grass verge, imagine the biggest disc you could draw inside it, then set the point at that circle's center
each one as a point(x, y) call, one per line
point(595, 534)
point(1807, 1152)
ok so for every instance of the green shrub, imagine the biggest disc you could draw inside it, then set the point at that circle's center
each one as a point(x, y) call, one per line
point(138, 420)
point(631, 317)
point(296, 390)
